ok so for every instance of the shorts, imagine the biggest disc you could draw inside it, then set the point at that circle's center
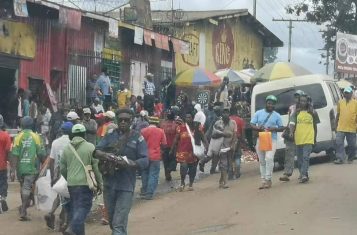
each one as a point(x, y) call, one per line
point(27, 182)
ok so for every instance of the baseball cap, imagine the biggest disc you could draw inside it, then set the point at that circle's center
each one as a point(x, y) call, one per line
point(144, 113)
point(149, 75)
point(72, 116)
point(67, 126)
point(348, 90)
point(78, 128)
point(87, 111)
point(154, 120)
point(109, 114)
point(299, 92)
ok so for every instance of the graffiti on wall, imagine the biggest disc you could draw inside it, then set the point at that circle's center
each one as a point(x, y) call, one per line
point(192, 58)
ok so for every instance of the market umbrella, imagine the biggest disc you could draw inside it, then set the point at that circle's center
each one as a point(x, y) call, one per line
point(249, 72)
point(279, 70)
point(197, 77)
point(342, 84)
point(234, 76)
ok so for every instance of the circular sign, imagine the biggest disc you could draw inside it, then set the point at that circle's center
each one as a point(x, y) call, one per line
point(203, 98)
point(223, 46)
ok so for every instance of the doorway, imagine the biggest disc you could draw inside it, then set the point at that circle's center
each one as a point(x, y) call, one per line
point(138, 71)
point(8, 101)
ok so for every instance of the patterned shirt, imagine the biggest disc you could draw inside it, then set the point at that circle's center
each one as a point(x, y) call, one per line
point(149, 88)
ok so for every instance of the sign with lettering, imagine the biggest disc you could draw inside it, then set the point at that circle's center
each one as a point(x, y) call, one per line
point(346, 53)
point(223, 46)
point(192, 58)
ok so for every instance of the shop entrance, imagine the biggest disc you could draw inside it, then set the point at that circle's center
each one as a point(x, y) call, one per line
point(8, 102)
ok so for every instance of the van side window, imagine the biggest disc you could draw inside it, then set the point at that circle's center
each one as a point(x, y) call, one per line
point(334, 94)
point(286, 97)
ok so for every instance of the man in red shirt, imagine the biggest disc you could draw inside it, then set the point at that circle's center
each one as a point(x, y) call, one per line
point(155, 138)
point(5, 147)
point(169, 126)
point(234, 170)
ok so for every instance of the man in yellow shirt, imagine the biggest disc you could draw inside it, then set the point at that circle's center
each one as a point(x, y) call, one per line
point(346, 127)
point(123, 97)
point(303, 128)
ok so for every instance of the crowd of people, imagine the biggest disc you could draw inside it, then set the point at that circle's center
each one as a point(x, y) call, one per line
point(101, 148)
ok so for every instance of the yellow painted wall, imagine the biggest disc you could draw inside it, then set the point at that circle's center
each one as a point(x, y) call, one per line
point(247, 45)
point(17, 39)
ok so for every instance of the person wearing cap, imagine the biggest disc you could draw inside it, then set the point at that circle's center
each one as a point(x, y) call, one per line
point(81, 196)
point(5, 147)
point(55, 156)
point(104, 89)
point(149, 93)
point(141, 122)
point(303, 130)
point(27, 154)
point(346, 121)
point(90, 125)
point(290, 149)
point(155, 139)
point(108, 126)
point(72, 117)
point(120, 176)
point(267, 120)
point(97, 106)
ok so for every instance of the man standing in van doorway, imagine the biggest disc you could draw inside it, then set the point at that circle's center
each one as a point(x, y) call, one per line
point(290, 150)
point(346, 127)
point(267, 120)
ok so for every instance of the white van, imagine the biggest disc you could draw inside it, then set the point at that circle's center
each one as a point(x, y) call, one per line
point(325, 95)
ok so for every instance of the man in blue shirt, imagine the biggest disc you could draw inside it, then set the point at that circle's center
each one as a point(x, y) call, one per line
point(267, 120)
point(121, 153)
point(104, 89)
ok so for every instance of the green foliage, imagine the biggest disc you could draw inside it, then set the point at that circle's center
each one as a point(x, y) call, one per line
point(334, 15)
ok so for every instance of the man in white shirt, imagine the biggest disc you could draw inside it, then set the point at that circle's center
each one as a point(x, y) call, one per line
point(56, 152)
point(149, 93)
point(97, 106)
point(199, 116)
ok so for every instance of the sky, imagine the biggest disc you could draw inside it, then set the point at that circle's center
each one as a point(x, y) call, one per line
point(306, 39)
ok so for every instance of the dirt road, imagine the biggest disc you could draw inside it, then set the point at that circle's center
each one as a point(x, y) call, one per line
point(327, 205)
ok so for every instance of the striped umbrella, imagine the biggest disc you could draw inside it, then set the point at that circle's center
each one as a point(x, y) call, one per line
point(279, 70)
point(197, 77)
point(234, 76)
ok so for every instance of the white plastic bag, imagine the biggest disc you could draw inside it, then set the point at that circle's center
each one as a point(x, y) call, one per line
point(61, 188)
point(44, 196)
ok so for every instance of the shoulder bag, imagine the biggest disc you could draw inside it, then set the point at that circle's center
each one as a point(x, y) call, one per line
point(256, 133)
point(198, 150)
point(91, 180)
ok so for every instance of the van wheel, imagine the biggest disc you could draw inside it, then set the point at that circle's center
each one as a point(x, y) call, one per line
point(331, 154)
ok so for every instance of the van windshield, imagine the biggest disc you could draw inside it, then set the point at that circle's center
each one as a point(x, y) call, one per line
point(286, 97)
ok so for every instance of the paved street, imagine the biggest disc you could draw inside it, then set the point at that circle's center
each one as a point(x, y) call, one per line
point(326, 205)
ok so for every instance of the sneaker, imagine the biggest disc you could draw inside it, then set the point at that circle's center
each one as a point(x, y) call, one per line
point(268, 184)
point(304, 179)
point(181, 188)
point(190, 188)
point(148, 197)
point(338, 161)
point(263, 185)
point(104, 221)
point(223, 186)
point(284, 178)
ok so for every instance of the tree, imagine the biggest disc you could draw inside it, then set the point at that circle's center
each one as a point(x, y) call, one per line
point(270, 54)
point(335, 15)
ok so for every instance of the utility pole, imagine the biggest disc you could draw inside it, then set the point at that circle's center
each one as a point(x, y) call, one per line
point(327, 63)
point(290, 32)
point(255, 8)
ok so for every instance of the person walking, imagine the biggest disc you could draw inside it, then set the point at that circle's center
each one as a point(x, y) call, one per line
point(5, 147)
point(346, 127)
point(290, 149)
point(55, 157)
point(267, 120)
point(303, 129)
point(27, 154)
point(149, 93)
point(200, 115)
point(91, 126)
point(141, 122)
point(155, 139)
point(169, 126)
point(104, 89)
point(121, 153)
point(228, 145)
point(76, 156)
point(184, 150)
